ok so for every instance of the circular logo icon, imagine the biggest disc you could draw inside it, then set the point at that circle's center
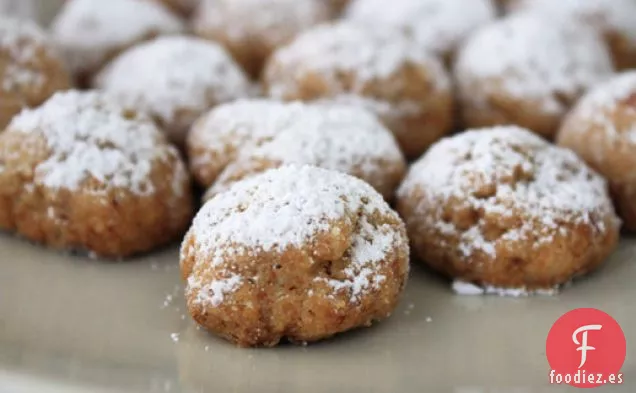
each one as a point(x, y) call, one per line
point(586, 348)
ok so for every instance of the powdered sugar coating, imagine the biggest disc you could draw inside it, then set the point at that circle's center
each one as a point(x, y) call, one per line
point(91, 137)
point(275, 22)
point(437, 25)
point(469, 289)
point(507, 172)
point(20, 42)
point(368, 54)
point(90, 31)
point(346, 139)
point(606, 15)
point(286, 208)
point(175, 79)
point(529, 59)
point(599, 107)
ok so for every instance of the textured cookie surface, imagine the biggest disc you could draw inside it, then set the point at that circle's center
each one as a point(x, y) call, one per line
point(602, 130)
point(297, 252)
point(504, 208)
point(247, 137)
point(30, 68)
point(380, 70)
point(82, 172)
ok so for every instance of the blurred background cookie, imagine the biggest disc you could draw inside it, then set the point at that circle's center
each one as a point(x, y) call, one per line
point(31, 69)
point(527, 70)
point(81, 172)
point(439, 26)
point(382, 71)
point(602, 130)
point(182, 7)
point(297, 252)
point(176, 80)
point(246, 138)
point(91, 32)
point(502, 208)
point(252, 29)
point(615, 20)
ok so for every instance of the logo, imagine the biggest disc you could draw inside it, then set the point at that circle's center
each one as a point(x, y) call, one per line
point(586, 348)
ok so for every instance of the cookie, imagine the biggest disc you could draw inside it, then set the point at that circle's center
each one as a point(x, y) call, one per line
point(528, 71)
point(83, 173)
point(31, 70)
point(176, 80)
point(244, 138)
point(380, 70)
point(252, 36)
point(615, 20)
point(600, 129)
point(297, 252)
point(439, 26)
point(92, 32)
point(502, 208)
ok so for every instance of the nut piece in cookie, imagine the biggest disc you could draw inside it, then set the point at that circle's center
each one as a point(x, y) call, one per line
point(528, 70)
point(380, 70)
point(176, 80)
point(247, 137)
point(81, 172)
point(601, 130)
point(297, 252)
point(502, 208)
point(31, 70)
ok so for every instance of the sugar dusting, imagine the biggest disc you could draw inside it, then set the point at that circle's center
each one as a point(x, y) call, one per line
point(367, 54)
point(21, 40)
point(437, 25)
point(346, 139)
point(470, 289)
point(506, 172)
point(604, 104)
point(606, 15)
point(171, 75)
point(529, 59)
point(276, 21)
point(91, 137)
point(88, 31)
point(286, 208)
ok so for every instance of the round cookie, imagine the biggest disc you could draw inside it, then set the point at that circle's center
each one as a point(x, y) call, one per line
point(614, 19)
point(244, 138)
point(381, 70)
point(600, 129)
point(437, 25)
point(526, 71)
point(252, 36)
point(502, 208)
point(297, 252)
point(81, 172)
point(91, 32)
point(176, 80)
point(30, 68)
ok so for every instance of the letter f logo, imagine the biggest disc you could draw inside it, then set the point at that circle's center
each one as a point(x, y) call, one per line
point(583, 343)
